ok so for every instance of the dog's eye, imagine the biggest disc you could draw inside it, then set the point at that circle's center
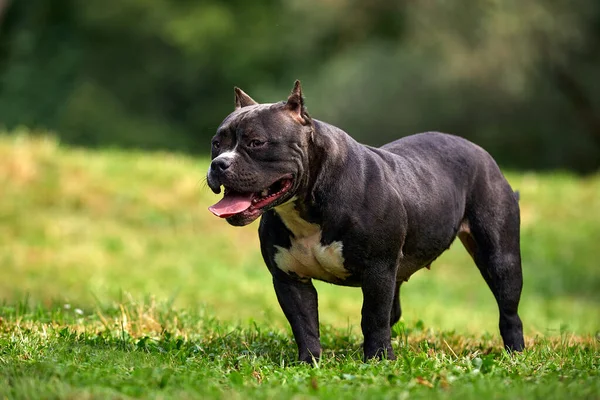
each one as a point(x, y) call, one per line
point(255, 143)
point(216, 145)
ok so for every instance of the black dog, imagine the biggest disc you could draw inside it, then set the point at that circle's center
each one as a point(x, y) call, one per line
point(341, 212)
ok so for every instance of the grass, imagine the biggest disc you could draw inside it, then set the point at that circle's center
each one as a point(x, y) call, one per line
point(116, 282)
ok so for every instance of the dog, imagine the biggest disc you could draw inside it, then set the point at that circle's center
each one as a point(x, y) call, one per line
point(342, 212)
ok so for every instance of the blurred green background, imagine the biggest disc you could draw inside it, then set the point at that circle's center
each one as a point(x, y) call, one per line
point(89, 227)
point(520, 78)
point(96, 229)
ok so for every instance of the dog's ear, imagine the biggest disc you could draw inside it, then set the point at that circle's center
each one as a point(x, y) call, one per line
point(242, 99)
point(295, 105)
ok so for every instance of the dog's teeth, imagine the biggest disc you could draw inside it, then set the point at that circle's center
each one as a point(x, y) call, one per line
point(264, 193)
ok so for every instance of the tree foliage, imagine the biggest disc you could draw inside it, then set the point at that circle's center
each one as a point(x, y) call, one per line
point(519, 78)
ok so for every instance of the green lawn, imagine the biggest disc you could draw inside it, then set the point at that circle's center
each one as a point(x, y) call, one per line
point(115, 281)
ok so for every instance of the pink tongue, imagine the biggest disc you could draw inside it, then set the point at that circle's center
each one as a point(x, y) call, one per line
point(231, 204)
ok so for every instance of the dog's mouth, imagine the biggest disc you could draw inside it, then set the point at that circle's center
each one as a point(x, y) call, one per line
point(234, 203)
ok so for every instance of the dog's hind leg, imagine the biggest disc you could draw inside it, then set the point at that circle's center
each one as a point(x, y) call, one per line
point(490, 234)
point(396, 308)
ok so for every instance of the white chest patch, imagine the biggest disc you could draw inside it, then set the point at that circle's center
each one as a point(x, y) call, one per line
point(307, 257)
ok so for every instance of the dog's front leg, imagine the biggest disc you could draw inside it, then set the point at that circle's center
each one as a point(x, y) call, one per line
point(300, 306)
point(378, 287)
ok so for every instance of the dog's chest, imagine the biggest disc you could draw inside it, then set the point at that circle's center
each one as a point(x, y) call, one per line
point(307, 257)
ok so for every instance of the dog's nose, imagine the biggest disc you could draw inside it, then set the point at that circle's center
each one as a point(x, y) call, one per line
point(220, 164)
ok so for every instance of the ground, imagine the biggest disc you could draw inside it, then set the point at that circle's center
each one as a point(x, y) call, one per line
point(117, 282)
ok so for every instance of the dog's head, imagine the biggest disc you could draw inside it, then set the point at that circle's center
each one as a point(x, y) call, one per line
point(259, 156)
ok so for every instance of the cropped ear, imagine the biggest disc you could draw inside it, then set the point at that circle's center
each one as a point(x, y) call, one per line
point(295, 105)
point(242, 99)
